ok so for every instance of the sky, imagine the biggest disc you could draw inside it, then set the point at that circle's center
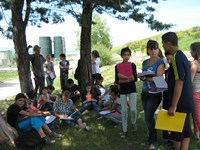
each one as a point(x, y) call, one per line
point(183, 13)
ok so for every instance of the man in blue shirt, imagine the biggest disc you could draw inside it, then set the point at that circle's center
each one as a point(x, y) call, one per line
point(180, 88)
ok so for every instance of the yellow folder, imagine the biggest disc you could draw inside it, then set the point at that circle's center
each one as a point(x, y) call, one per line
point(170, 123)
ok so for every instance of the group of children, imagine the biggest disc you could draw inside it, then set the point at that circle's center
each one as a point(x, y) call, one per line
point(118, 98)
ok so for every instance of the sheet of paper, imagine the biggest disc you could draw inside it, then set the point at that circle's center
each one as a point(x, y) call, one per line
point(170, 123)
point(160, 82)
point(52, 76)
point(68, 118)
point(49, 119)
point(105, 112)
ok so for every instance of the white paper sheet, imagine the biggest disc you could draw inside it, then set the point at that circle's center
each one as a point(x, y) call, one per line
point(49, 119)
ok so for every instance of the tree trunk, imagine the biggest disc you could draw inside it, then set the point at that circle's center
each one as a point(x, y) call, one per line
point(19, 39)
point(7, 134)
point(85, 53)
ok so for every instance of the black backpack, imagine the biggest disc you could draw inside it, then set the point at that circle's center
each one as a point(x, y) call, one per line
point(29, 140)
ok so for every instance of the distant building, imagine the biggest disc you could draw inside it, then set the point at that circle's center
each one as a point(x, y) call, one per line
point(6, 56)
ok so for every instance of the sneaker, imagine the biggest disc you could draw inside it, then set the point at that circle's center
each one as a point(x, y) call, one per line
point(152, 146)
point(87, 128)
point(55, 135)
point(142, 112)
point(82, 126)
point(123, 134)
point(49, 140)
point(134, 126)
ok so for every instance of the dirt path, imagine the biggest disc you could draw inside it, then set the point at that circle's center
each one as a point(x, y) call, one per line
point(10, 88)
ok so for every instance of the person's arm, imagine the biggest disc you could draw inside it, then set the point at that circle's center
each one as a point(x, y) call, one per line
point(112, 104)
point(134, 68)
point(60, 115)
point(30, 113)
point(53, 70)
point(177, 94)
point(159, 73)
point(193, 69)
point(67, 65)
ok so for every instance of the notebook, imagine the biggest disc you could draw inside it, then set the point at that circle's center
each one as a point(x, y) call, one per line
point(125, 69)
point(146, 73)
point(170, 123)
point(161, 85)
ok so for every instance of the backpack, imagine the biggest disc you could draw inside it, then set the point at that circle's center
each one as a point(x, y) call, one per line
point(29, 140)
point(77, 73)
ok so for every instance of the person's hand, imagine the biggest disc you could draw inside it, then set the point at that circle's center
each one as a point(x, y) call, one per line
point(172, 110)
point(46, 113)
point(30, 46)
point(76, 92)
point(75, 109)
point(143, 78)
point(63, 116)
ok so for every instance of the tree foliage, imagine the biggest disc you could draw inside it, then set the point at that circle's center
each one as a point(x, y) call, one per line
point(24, 12)
point(100, 33)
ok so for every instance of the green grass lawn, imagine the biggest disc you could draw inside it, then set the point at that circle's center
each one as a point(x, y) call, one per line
point(104, 135)
point(8, 75)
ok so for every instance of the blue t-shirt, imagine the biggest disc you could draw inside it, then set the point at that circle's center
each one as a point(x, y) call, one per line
point(153, 68)
point(180, 70)
point(64, 63)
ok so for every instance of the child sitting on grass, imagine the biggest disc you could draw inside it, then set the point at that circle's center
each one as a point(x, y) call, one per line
point(64, 109)
point(44, 102)
point(114, 105)
point(19, 116)
point(89, 99)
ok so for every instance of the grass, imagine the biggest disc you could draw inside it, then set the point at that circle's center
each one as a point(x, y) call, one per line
point(104, 135)
point(8, 75)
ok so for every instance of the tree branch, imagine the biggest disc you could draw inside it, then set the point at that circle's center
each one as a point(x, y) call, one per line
point(27, 14)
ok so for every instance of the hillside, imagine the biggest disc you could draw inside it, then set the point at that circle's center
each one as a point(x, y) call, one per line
point(186, 37)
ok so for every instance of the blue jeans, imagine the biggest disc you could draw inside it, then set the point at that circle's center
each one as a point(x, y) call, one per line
point(91, 104)
point(32, 122)
point(63, 80)
point(150, 103)
point(49, 80)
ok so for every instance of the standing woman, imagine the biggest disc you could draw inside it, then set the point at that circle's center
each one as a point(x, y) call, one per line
point(95, 64)
point(195, 76)
point(49, 70)
point(151, 101)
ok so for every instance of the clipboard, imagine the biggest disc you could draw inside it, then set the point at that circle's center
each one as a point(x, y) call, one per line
point(170, 123)
point(125, 69)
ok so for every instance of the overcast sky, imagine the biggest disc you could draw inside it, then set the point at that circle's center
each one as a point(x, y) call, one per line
point(184, 13)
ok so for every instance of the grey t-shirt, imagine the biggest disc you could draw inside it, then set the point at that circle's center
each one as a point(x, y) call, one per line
point(37, 64)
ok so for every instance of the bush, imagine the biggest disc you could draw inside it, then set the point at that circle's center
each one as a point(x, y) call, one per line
point(105, 55)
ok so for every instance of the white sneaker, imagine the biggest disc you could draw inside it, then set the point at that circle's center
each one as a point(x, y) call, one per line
point(82, 126)
point(142, 112)
point(87, 128)
point(152, 146)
